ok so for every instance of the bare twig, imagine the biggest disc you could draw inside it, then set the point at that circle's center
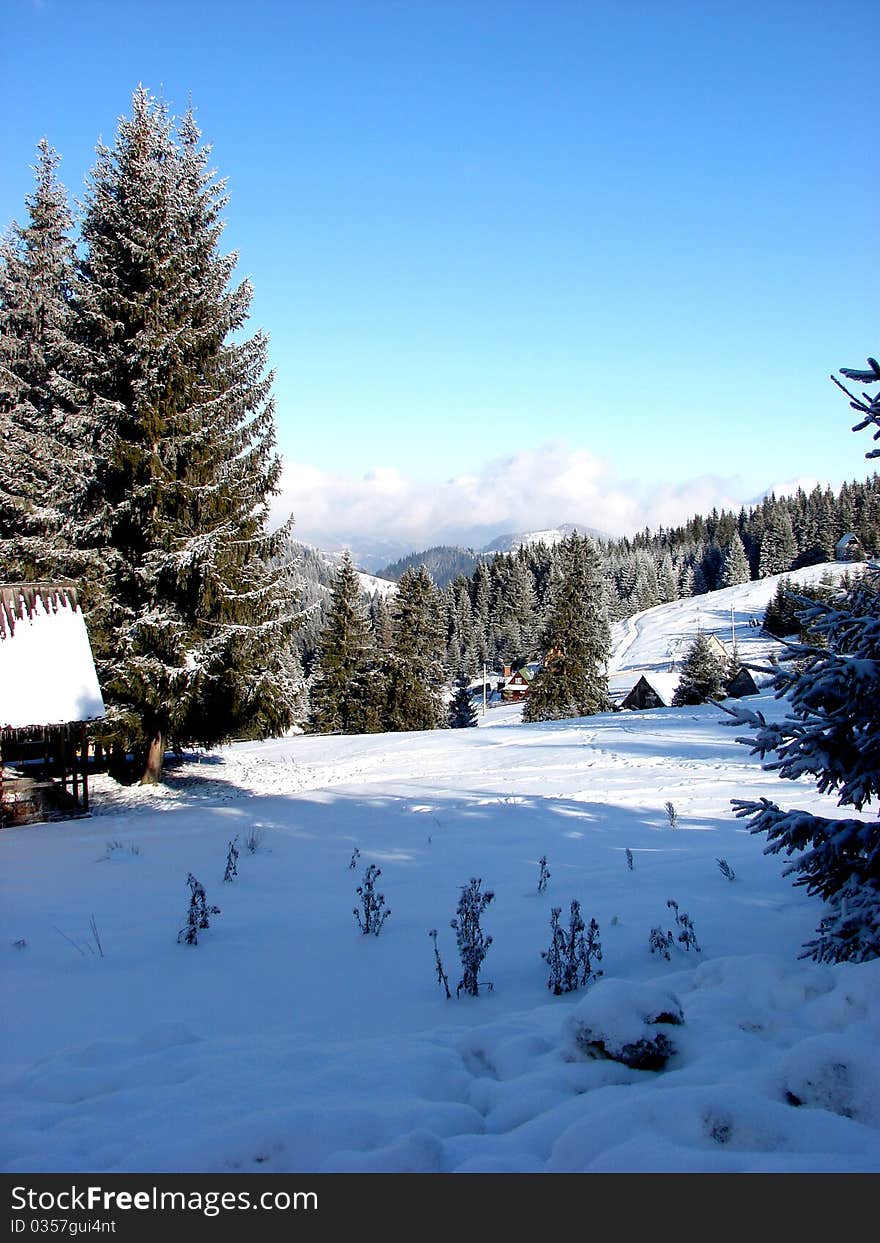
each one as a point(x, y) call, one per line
point(94, 927)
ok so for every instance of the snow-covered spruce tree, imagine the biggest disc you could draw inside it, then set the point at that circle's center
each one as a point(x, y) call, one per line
point(343, 691)
point(734, 564)
point(686, 581)
point(518, 612)
point(411, 670)
point(462, 712)
point(573, 679)
point(482, 596)
point(778, 545)
point(704, 674)
point(189, 623)
point(381, 629)
point(44, 441)
point(464, 629)
point(831, 732)
point(667, 579)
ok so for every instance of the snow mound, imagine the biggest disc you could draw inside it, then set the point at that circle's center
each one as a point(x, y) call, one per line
point(627, 1023)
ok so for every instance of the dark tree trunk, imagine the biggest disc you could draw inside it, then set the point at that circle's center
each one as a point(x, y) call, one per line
point(152, 774)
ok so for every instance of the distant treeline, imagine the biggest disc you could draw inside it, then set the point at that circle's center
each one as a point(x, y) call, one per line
point(495, 610)
point(444, 562)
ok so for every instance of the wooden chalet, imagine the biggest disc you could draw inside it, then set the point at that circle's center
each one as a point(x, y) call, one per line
point(48, 693)
point(515, 686)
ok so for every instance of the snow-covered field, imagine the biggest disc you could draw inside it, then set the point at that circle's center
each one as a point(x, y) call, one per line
point(287, 1041)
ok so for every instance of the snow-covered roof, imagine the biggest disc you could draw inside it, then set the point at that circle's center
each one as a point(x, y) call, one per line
point(663, 683)
point(47, 673)
point(717, 645)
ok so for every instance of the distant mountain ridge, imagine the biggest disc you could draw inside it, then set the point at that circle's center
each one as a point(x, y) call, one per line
point(513, 541)
point(445, 562)
point(380, 556)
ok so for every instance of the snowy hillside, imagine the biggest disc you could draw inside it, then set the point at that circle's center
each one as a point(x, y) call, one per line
point(318, 570)
point(287, 1041)
point(657, 639)
point(370, 584)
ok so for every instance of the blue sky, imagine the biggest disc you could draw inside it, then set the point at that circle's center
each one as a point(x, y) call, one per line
point(520, 262)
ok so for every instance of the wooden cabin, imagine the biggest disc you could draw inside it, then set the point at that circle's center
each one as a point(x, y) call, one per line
point(515, 686)
point(849, 548)
point(49, 693)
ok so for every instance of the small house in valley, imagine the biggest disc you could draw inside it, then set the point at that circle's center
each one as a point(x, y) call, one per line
point(849, 548)
point(515, 686)
point(48, 693)
point(717, 647)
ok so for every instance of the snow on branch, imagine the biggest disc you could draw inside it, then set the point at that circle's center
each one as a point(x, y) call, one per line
point(867, 405)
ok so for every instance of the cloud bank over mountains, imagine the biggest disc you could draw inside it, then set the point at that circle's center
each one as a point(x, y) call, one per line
point(527, 490)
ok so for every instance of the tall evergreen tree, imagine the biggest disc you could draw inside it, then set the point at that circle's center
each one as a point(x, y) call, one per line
point(686, 580)
point(481, 608)
point(778, 545)
point(44, 441)
point(646, 589)
point(710, 565)
point(412, 670)
point(380, 622)
point(344, 690)
point(667, 579)
point(846, 510)
point(734, 564)
point(517, 608)
point(190, 625)
point(573, 679)
point(830, 733)
point(464, 627)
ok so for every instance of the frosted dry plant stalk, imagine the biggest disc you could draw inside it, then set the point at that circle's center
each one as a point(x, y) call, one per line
point(373, 904)
point(473, 944)
point(725, 869)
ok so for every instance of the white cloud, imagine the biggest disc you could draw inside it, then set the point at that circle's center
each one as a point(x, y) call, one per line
point(531, 489)
point(807, 483)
